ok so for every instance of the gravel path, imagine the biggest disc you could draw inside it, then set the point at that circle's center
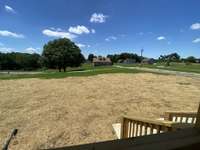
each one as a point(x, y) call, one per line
point(178, 73)
point(20, 72)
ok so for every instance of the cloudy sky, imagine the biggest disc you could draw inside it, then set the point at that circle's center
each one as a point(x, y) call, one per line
point(102, 26)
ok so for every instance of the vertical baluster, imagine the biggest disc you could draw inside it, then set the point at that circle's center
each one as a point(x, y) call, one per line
point(157, 129)
point(176, 118)
point(129, 123)
point(136, 129)
point(192, 120)
point(186, 120)
point(130, 130)
point(195, 120)
point(151, 129)
point(145, 128)
point(141, 129)
point(131, 126)
point(161, 129)
point(181, 119)
point(125, 128)
point(197, 125)
point(133, 129)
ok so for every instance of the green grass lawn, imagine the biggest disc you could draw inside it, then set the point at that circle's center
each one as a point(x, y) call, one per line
point(195, 68)
point(89, 70)
point(85, 70)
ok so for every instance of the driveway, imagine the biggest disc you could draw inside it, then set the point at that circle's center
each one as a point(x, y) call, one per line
point(178, 73)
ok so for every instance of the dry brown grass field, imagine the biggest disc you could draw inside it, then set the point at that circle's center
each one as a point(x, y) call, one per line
point(75, 110)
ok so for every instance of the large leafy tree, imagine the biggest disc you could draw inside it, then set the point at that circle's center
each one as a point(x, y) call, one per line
point(191, 59)
point(62, 53)
point(173, 57)
point(90, 57)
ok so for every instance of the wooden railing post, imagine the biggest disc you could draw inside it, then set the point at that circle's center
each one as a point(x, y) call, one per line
point(122, 128)
point(125, 128)
point(197, 125)
point(168, 116)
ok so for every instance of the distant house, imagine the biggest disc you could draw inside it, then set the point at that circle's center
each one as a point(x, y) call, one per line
point(197, 60)
point(148, 61)
point(120, 61)
point(129, 61)
point(102, 61)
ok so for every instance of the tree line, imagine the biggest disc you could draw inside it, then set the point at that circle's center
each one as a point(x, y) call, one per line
point(57, 54)
point(19, 61)
point(62, 53)
point(115, 58)
point(173, 57)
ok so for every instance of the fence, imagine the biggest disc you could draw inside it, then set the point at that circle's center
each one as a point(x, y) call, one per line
point(134, 127)
point(181, 117)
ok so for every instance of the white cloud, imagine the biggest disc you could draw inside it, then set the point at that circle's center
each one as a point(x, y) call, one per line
point(29, 50)
point(6, 49)
point(197, 40)
point(56, 29)
point(80, 29)
point(9, 9)
point(195, 26)
point(111, 38)
point(93, 31)
point(161, 38)
point(10, 34)
point(98, 18)
point(32, 50)
point(59, 34)
point(82, 45)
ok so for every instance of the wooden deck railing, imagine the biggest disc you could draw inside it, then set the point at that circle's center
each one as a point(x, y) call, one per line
point(181, 117)
point(188, 138)
point(134, 127)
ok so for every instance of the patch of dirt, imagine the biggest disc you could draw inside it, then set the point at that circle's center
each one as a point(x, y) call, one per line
point(69, 111)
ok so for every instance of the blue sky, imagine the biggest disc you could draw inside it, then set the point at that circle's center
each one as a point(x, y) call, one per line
point(103, 26)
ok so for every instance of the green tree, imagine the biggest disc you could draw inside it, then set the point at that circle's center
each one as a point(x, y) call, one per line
point(191, 59)
point(123, 56)
point(19, 61)
point(173, 57)
point(62, 53)
point(90, 57)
